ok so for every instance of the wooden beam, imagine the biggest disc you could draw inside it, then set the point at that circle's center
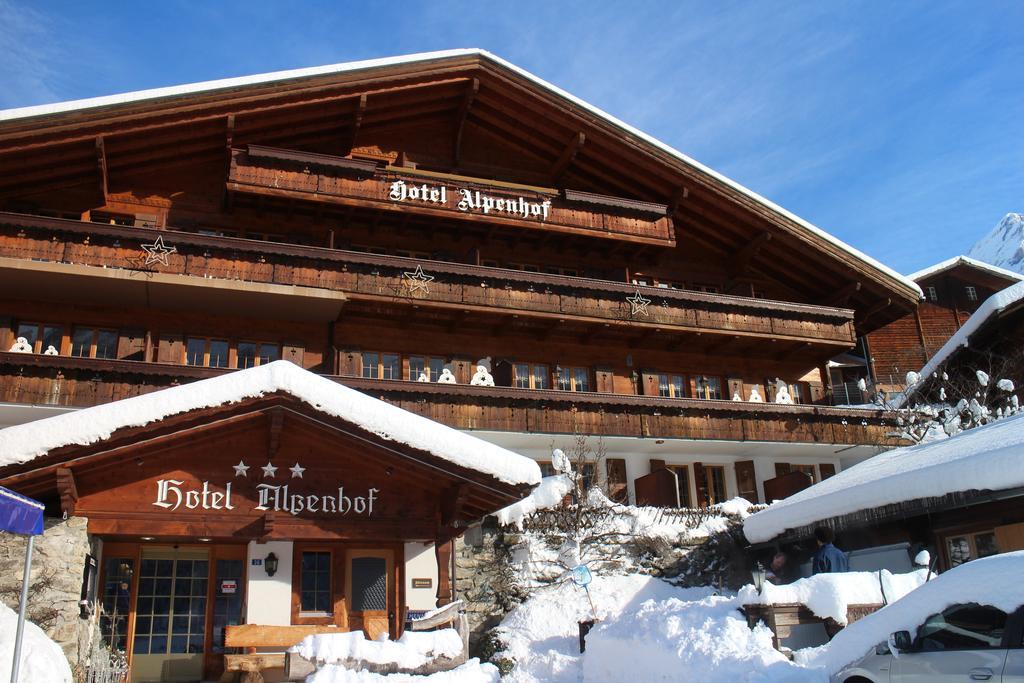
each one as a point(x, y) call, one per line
point(681, 193)
point(67, 489)
point(567, 156)
point(743, 256)
point(842, 296)
point(101, 161)
point(453, 503)
point(357, 121)
point(864, 314)
point(460, 119)
point(274, 433)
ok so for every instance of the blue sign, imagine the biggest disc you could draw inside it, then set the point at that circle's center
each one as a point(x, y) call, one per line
point(581, 576)
point(257, 563)
point(20, 515)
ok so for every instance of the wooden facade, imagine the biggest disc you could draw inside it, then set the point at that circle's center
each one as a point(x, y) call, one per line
point(387, 225)
point(951, 295)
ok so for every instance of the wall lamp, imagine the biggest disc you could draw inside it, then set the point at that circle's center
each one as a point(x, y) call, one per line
point(270, 564)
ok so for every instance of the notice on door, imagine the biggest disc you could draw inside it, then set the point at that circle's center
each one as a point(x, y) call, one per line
point(228, 586)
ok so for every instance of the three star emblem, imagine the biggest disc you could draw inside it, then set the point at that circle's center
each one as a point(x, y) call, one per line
point(417, 280)
point(157, 252)
point(638, 304)
point(269, 470)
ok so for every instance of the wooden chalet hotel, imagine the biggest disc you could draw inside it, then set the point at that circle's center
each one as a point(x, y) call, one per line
point(380, 224)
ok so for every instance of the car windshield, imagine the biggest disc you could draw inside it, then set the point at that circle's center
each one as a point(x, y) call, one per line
point(962, 627)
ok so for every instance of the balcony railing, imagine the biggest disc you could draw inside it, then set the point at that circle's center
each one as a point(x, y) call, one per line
point(376, 278)
point(79, 382)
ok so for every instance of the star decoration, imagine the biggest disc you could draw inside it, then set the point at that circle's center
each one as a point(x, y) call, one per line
point(417, 280)
point(269, 470)
point(157, 252)
point(241, 469)
point(638, 304)
point(297, 470)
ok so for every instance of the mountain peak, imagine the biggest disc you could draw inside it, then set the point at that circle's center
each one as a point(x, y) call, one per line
point(1004, 245)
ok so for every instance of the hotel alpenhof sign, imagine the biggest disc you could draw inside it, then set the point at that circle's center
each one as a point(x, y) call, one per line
point(470, 201)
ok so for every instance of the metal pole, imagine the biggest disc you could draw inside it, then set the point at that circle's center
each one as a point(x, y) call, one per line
point(21, 610)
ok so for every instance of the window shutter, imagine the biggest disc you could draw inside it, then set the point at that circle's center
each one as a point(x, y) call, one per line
point(701, 484)
point(782, 468)
point(657, 465)
point(746, 481)
point(735, 387)
point(617, 489)
point(827, 470)
point(350, 363)
point(604, 380)
point(463, 369)
point(770, 390)
point(503, 373)
point(649, 384)
point(6, 333)
point(293, 351)
point(172, 348)
point(131, 344)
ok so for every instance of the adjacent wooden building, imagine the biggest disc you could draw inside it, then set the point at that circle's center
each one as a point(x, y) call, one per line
point(381, 223)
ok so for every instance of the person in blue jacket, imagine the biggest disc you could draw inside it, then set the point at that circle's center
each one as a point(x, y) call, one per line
point(827, 558)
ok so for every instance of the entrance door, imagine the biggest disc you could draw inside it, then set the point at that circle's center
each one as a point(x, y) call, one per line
point(370, 591)
point(170, 615)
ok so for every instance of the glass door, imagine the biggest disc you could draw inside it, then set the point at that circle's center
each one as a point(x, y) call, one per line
point(369, 590)
point(170, 615)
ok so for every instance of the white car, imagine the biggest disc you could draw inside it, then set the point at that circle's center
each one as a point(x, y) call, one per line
point(965, 625)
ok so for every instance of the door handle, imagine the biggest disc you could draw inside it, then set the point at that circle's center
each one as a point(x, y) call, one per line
point(981, 674)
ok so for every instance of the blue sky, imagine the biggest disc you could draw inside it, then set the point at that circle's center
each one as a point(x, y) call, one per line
point(897, 126)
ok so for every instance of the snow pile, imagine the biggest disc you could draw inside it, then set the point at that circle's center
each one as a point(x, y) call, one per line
point(550, 492)
point(25, 442)
point(647, 630)
point(830, 595)
point(1004, 246)
point(992, 581)
point(410, 651)
point(470, 672)
point(949, 264)
point(985, 458)
point(42, 660)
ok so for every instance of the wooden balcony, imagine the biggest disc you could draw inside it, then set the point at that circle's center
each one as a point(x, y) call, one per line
point(79, 382)
point(375, 285)
point(338, 180)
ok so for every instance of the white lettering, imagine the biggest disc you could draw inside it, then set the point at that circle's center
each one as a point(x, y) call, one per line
point(171, 495)
point(398, 191)
point(165, 486)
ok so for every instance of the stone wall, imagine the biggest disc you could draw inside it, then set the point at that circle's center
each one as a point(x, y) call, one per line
point(483, 578)
point(58, 558)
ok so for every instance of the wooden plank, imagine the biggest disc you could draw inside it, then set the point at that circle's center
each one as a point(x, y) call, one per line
point(260, 635)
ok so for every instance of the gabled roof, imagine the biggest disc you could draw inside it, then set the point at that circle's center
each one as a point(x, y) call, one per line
point(967, 261)
point(885, 274)
point(989, 458)
point(24, 443)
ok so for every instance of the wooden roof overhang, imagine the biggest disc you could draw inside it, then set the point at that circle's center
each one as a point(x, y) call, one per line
point(580, 148)
point(429, 497)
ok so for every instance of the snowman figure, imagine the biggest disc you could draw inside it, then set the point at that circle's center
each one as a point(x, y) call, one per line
point(446, 376)
point(736, 396)
point(423, 377)
point(782, 393)
point(482, 376)
point(50, 351)
point(755, 395)
point(21, 346)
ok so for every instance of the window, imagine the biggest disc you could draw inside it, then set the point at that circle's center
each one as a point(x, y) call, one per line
point(806, 469)
point(112, 218)
point(40, 337)
point(116, 604)
point(962, 627)
point(557, 270)
point(683, 483)
point(382, 365)
point(315, 582)
point(88, 342)
point(573, 379)
point(531, 376)
point(204, 352)
point(966, 547)
point(671, 386)
point(251, 354)
point(708, 387)
point(714, 481)
point(933, 295)
point(709, 289)
point(426, 365)
point(246, 355)
point(269, 353)
point(972, 294)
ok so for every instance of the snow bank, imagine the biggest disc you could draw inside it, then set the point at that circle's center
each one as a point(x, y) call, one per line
point(989, 581)
point(551, 491)
point(647, 630)
point(984, 458)
point(830, 595)
point(42, 660)
point(25, 442)
point(470, 672)
point(408, 652)
point(949, 264)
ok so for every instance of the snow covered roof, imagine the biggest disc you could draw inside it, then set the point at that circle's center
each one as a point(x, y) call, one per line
point(993, 305)
point(345, 67)
point(23, 443)
point(961, 260)
point(985, 458)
